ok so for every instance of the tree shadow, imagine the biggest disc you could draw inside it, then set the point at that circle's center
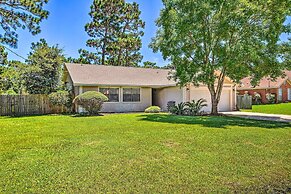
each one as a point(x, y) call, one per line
point(32, 115)
point(86, 115)
point(212, 121)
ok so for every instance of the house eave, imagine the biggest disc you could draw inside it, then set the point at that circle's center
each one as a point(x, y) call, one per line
point(257, 88)
point(124, 85)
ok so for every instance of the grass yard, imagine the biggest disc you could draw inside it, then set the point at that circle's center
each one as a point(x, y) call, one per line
point(284, 108)
point(143, 153)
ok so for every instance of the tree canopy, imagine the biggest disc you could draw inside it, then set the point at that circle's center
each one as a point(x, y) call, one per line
point(209, 40)
point(44, 65)
point(149, 64)
point(115, 32)
point(12, 77)
point(24, 14)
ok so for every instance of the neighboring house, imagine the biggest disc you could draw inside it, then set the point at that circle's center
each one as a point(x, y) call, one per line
point(132, 89)
point(281, 88)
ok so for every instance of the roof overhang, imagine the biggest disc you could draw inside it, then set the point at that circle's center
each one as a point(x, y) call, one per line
point(123, 85)
point(257, 88)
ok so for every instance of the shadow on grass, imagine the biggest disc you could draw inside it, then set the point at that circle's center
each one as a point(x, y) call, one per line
point(86, 115)
point(212, 121)
point(33, 115)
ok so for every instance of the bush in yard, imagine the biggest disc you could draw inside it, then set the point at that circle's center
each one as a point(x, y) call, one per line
point(170, 105)
point(10, 92)
point(60, 98)
point(271, 98)
point(91, 101)
point(257, 99)
point(179, 109)
point(153, 109)
point(194, 108)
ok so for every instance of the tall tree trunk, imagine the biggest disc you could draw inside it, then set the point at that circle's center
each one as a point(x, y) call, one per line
point(121, 47)
point(214, 101)
point(103, 53)
point(216, 94)
point(214, 107)
point(104, 47)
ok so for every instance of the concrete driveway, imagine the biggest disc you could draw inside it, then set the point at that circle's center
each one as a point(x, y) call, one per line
point(260, 116)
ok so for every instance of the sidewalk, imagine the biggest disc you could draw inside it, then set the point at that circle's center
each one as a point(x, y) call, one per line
point(260, 116)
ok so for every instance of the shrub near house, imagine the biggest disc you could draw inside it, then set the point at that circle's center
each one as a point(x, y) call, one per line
point(91, 101)
point(192, 108)
point(153, 109)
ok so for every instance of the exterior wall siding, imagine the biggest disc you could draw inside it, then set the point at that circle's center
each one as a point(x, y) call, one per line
point(161, 97)
point(226, 100)
point(118, 107)
point(164, 95)
point(90, 88)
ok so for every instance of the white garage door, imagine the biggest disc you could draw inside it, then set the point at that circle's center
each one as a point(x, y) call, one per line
point(224, 104)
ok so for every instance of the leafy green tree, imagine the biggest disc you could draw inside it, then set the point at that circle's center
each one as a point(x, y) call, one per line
point(3, 56)
point(286, 53)
point(12, 77)
point(44, 71)
point(85, 58)
point(3, 63)
point(148, 64)
point(115, 32)
point(20, 14)
point(209, 40)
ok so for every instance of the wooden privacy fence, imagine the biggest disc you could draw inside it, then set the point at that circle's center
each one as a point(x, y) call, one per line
point(19, 105)
point(244, 101)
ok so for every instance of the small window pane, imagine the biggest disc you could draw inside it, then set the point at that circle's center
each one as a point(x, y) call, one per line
point(111, 93)
point(127, 98)
point(127, 91)
point(131, 95)
point(135, 91)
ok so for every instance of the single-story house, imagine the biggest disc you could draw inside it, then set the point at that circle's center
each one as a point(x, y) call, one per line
point(133, 89)
point(281, 88)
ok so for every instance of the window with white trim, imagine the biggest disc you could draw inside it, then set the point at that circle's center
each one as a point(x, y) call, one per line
point(280, 94)
point(111, 93)
point(289, 93)
point(131, 94)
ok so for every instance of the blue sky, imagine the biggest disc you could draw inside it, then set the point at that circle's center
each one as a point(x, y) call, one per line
point(65, 26)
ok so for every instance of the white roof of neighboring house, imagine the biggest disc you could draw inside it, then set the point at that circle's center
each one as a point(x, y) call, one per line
point(90, 75)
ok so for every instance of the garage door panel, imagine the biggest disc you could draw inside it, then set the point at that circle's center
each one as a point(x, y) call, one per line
point(224, 104)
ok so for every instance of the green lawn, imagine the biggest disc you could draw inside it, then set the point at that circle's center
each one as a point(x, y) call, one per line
point(284, 108)
point(143, 153)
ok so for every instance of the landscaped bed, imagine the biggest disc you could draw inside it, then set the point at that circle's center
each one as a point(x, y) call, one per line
point(284, 108)
point(153, 153)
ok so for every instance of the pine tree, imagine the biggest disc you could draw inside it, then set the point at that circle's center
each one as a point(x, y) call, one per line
point(115, 32)
point(20, 14)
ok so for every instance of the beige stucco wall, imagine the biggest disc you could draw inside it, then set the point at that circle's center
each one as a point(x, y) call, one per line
point(226, 99)
point(164, 95)
point(90, 88)
point(145, 101)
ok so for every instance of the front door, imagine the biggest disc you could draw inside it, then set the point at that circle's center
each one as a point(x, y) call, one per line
point(289, 94)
